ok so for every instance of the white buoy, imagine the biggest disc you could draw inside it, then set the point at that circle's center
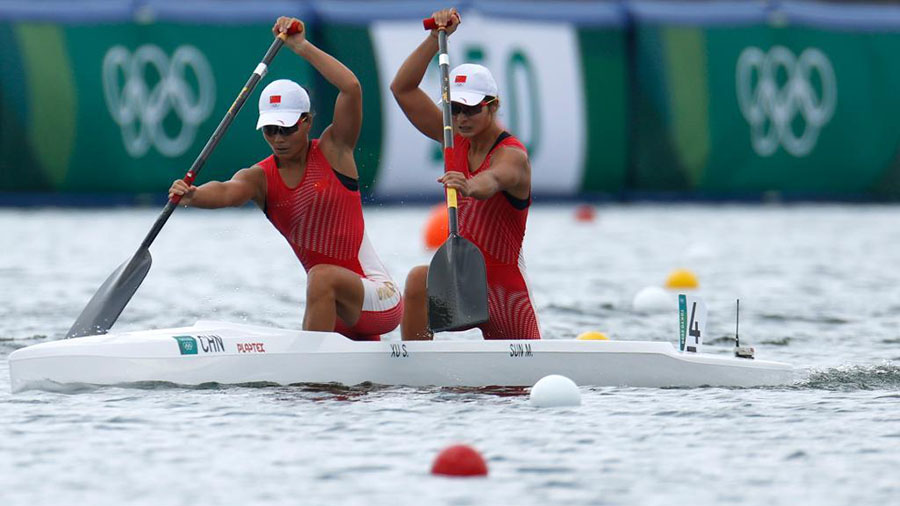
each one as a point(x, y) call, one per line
point(654, 299)
point(554, 391)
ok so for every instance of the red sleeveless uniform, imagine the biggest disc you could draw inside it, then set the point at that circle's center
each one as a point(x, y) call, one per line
point(497, 227)
point(322, 220)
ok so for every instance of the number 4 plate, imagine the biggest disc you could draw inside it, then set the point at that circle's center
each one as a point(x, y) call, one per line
point(691, 322)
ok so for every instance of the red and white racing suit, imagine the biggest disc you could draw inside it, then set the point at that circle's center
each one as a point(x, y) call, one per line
point(322, 220)
point(497, 227)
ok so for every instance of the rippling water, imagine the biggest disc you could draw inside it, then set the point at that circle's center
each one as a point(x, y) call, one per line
point(818, 289)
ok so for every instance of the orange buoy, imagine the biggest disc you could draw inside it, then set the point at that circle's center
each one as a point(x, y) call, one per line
point(436, 227)
point(459, 460)
point(585, 213)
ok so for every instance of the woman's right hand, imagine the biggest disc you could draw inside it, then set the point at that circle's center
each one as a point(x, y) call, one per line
point(448, 18)
point(179, 187)
point(283, 25)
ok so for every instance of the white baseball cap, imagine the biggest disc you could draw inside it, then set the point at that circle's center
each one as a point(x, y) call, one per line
point(282, 103)
point(470, 83)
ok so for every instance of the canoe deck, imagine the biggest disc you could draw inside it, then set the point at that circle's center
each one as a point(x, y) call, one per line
point(229, 353)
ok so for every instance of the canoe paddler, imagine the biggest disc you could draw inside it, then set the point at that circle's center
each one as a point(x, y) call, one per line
point(309, 190)
point(492, 175)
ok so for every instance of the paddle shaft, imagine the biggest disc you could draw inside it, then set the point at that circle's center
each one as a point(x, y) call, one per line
point(444, 61)
point(217, 135)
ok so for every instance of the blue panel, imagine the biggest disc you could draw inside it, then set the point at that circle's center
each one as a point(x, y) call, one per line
point(84, 11)
point(218, 11)
point(583, 12)
point(593, 13)
point(360, 12)
point(856, 17)
point(699, 13)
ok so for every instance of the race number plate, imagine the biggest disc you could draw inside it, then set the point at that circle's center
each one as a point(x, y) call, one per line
point(691, 322)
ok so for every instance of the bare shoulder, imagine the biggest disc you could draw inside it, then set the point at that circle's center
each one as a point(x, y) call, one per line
point(251, 184)
point(252, 174)
point(339, 156)
point(510, 155)
point(512, 171)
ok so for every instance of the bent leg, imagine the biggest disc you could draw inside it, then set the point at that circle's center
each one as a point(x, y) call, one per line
point(332, 292)
point(512, 314)
point(414, 325)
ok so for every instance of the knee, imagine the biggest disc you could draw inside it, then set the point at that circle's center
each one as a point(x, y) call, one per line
point(320, 282)
point(415, 283)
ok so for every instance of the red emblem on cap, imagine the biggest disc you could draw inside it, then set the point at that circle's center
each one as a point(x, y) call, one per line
point(460, 79)
point(275, 99)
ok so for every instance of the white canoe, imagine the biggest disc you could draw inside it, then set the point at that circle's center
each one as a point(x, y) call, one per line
point(229, 353)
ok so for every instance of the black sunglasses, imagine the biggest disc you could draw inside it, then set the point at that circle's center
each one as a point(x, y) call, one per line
point(273, 130)
point(468, 110)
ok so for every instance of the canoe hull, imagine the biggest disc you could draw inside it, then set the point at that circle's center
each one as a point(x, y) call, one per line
point(227, 353)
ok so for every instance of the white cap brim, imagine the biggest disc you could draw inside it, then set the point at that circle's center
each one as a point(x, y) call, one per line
point(279, 118)
point(465, 97)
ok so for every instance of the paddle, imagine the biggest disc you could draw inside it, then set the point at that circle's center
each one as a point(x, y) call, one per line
point(457, 279)
point(107, 304)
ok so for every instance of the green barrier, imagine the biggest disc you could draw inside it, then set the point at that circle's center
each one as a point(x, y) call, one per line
point(714, 108)
point(604, 73)
point(18, 168)
point(751, 109)
point(124, 107)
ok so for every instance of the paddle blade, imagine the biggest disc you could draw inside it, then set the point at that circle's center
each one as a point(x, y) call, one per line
point(107, 304)
point(457, 286)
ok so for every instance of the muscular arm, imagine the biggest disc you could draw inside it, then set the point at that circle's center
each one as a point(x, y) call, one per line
point(247, 184)
point(339, 139)
point(415, 103)
point(510, 171)
point(344, 129)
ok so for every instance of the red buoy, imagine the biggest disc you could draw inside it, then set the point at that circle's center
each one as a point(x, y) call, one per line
point(459, 460)
point(585, 213)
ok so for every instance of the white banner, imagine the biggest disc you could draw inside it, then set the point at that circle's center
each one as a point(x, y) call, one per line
point(537, 68)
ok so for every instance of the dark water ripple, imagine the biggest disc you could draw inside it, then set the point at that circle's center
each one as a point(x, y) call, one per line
point(884, 376)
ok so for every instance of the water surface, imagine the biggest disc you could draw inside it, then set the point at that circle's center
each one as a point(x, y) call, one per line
point(817, 286)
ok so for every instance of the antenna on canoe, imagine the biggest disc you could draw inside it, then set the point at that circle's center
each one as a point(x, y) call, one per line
point(740, 351)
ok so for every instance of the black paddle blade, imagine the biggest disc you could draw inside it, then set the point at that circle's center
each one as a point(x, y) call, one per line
point(107, 304)
point(457, 286)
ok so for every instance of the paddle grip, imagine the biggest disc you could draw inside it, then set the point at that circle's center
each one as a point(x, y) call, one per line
point(295, 28)
point(431, 24)
point(188, 180)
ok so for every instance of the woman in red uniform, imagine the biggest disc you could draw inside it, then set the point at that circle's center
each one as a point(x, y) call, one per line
point(492, 174)
point(309, 190)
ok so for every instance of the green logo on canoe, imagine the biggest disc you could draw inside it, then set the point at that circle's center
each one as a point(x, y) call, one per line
point(187, 345)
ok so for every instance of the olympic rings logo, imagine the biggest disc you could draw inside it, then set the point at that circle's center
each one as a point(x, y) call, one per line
point(771, 109)
point(141, 110)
